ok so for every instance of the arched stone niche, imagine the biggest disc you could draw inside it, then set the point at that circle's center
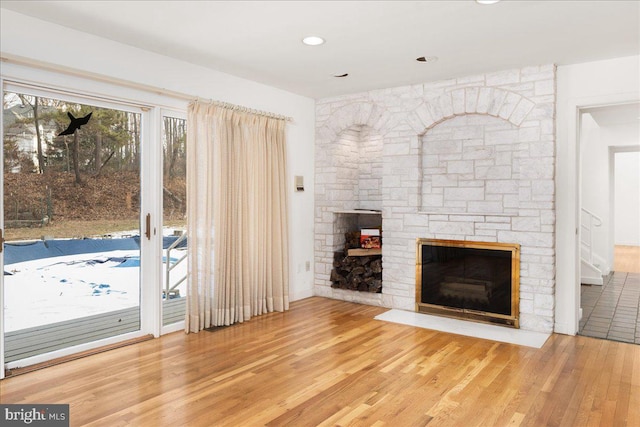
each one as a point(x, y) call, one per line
point(470, 164)
point(510, 106)
point(349, 174)
point(468, 150)
point(357, 180)
point(354, 176)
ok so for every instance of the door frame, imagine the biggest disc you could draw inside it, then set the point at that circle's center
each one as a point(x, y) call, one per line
point(2, 365)
point(567, 306)
point(150, 104)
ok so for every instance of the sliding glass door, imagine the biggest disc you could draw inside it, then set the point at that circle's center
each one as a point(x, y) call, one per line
point(174, 217)
point(73, 221)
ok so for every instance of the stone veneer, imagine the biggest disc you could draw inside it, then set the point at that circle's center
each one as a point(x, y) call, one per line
point(466, 159)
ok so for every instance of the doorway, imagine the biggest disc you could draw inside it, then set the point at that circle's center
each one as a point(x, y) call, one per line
point(86, 244)
point(72, 207)
point(609, 151)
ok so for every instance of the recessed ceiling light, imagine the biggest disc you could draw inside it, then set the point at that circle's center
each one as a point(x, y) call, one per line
point(313, 41)
point(487, 1)
point(427, 59)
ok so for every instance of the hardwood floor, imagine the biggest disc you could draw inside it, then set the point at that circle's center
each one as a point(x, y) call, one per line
point(328, 362)
point(626, 258)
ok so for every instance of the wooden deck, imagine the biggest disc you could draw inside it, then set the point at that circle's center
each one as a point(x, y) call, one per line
point(29, 342)
point(328, 362)
point(173, 310)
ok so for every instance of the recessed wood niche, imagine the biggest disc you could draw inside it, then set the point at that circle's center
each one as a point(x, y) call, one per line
point(356, 268)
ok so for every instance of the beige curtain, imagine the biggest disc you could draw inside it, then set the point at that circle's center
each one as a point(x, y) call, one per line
point(237, 216)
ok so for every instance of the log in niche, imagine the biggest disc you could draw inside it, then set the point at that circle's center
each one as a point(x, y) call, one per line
point(355, 268)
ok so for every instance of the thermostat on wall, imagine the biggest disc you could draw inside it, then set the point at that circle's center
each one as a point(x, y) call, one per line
point(299, 182)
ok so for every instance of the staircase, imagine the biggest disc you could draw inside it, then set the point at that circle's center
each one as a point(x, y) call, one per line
point(590, 270)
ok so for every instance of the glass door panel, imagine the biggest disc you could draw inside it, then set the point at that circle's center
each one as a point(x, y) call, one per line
point(174, 202)
point(72, 223)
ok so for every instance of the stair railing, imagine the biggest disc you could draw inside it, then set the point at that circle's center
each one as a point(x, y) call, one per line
point(586, 237)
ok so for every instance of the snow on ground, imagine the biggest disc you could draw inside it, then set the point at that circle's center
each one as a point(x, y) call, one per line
point(50, 290)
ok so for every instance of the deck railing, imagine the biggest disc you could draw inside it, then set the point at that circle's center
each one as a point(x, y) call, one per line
point(169, 266)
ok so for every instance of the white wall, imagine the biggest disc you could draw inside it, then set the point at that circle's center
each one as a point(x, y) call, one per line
point(580, 86)
point(70, 50)
point(596, 144)
point(623, 140)
point(595, 175)
point(627, 198)
point(595, 191)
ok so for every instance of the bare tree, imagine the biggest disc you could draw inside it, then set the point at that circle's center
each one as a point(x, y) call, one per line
point(36, 123)
point(174, 145)
point(97, 154)
point(76, 157)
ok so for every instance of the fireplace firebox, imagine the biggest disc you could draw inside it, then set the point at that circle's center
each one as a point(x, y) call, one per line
point(477, 281)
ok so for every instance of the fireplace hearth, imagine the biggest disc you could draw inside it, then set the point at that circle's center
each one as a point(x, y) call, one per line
point(469, 280)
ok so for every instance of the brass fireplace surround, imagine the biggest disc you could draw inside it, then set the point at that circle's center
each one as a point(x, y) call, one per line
point(511, 319)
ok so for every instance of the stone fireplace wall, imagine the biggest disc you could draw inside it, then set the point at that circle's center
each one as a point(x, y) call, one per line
point(463, 159)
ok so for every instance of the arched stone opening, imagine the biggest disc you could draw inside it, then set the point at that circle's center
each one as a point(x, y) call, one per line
point(349, 173)
point(470, 164)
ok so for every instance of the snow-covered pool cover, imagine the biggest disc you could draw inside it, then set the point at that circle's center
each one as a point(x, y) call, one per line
point(55, 289)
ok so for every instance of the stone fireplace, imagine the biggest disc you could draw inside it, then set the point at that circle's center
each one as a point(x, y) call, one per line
point(478, 281)
point(467, 159)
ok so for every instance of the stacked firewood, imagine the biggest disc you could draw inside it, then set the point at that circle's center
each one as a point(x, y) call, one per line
point(356, 273)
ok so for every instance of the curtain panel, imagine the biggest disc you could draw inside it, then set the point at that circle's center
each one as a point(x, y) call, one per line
point(237, 216)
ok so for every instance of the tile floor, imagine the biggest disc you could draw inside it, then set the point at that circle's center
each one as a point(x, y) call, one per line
point(612, 311)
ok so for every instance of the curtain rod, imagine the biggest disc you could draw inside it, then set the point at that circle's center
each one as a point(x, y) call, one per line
point(127, 83)
point(235, 107)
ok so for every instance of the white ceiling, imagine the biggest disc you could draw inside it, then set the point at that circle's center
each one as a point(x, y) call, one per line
point(376, 42)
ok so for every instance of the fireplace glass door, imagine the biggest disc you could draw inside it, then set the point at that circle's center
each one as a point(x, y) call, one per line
point(468, 279)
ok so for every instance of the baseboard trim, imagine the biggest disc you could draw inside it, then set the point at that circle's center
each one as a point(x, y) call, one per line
point(592, 281)
point(306, 293)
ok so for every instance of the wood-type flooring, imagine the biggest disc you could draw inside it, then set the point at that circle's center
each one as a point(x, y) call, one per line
point(330, 363)
point(626, 259)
